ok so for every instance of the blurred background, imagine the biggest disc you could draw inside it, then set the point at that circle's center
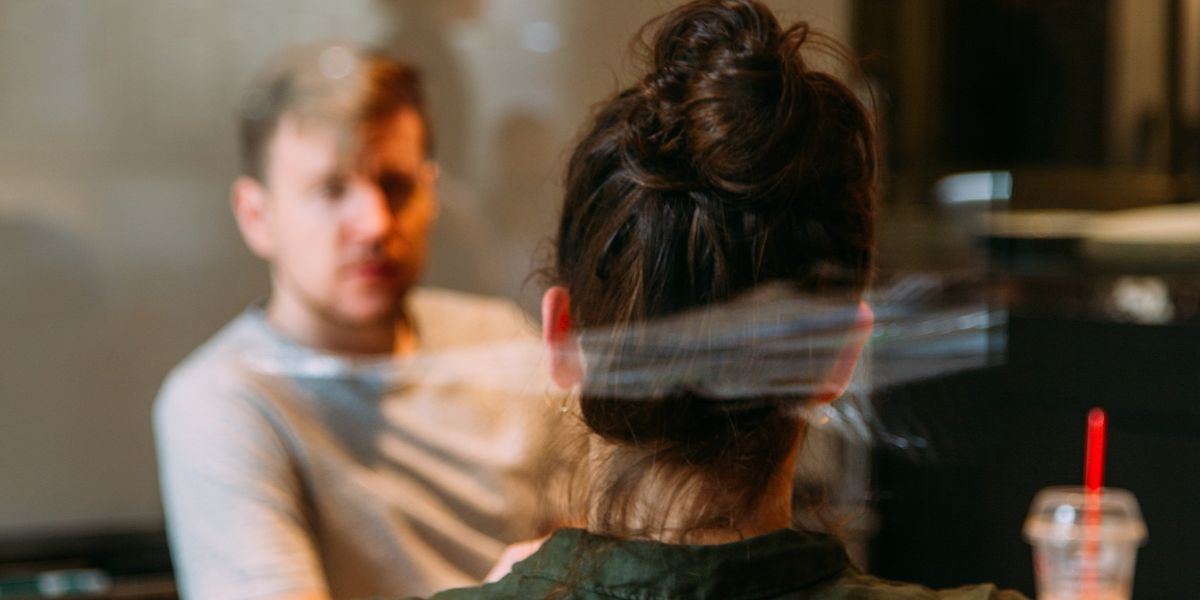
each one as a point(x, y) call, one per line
point(1044, 153)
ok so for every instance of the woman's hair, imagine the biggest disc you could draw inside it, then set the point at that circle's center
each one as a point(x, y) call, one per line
point(729, 165)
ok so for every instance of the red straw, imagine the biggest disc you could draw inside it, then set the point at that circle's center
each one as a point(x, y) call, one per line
point(1093, 477)
point(1093, 481)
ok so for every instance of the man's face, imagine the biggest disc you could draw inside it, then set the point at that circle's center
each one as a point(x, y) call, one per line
point(347, 236)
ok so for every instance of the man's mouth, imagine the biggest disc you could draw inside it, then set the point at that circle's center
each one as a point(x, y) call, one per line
point(376, 270)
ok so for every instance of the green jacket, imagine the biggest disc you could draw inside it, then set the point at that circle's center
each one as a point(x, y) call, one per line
point(574, 564)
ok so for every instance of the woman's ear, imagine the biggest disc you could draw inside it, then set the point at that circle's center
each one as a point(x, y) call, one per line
point(838, 379)
point(566, 364)
point(248, 198)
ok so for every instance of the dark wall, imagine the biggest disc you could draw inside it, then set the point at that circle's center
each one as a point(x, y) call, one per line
point(1024, 81)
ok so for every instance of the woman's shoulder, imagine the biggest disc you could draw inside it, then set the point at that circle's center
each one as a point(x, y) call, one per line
point(509, 588)
point(860, 587)
point(866, 587)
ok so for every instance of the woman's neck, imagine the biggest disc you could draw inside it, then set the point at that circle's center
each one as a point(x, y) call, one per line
point(657, 493)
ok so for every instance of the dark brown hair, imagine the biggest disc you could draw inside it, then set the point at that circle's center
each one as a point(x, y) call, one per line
point(729, 165)
point(355, 88)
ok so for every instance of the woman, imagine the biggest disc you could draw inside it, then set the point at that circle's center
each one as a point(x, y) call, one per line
point(729, 168)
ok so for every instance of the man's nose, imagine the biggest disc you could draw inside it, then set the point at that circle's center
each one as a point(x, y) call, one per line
point(373, 216)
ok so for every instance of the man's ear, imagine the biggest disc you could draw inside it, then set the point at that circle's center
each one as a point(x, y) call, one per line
point(566, 364)
point(431, 172)
point(838, 378)
point(248, 198)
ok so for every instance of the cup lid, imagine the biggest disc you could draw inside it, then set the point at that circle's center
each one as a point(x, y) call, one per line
point(1069, 513)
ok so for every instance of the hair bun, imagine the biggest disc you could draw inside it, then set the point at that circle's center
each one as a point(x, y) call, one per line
point(704, 34)
point(722, 79)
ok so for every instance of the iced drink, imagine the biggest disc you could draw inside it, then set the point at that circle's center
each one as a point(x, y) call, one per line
point(1084, 543)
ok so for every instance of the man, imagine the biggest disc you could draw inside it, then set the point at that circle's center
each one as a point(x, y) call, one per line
point(323, 444)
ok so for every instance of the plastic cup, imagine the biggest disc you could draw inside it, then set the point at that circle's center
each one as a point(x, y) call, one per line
point(1084, 543)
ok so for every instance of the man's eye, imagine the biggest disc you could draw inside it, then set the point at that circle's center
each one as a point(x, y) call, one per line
point(397, 188)
point(333, 189)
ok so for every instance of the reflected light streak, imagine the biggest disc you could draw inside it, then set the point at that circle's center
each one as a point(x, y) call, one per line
point(770, 345)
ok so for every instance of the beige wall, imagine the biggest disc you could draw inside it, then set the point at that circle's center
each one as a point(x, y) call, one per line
point(1137, 84)
point(117, 253)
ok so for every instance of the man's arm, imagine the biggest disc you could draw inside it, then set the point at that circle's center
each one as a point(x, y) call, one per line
point(234, 507)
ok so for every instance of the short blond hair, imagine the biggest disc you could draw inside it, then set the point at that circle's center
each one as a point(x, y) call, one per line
point(355, 88)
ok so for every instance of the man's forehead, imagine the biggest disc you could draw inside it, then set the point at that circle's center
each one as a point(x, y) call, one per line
point(320, 141)
point(398, 140)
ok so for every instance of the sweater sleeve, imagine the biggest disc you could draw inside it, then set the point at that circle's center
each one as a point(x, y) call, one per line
point(235, 508)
